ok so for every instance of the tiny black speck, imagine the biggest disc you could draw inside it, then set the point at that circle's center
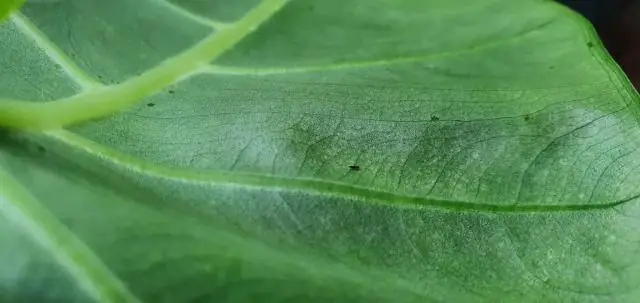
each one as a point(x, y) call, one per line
point(527, 117)
point(435, 118)
point(552, 67)
point(171, 91)
point(354, 167)
point(151, 104)
point(590, 44)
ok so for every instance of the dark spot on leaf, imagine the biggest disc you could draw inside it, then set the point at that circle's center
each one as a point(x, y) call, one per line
point(527, 117)
point(171, 91)
point(354, 167)
point(100, 77)
point(41, 149)
point(435, 118)
point(151, 104)
point(590, 44)
point(311, 8)
point(552, 67)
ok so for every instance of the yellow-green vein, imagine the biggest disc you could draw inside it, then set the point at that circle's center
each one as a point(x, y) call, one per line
point(104, 101)
point(312, 186)
point(23, 210)
point(232, 70)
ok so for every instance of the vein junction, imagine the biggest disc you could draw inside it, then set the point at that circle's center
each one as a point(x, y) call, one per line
point(96, 102)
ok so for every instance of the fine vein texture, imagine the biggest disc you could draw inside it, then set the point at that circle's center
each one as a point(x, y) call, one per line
point(103, 101)
point(53, 52)
point(315, 151)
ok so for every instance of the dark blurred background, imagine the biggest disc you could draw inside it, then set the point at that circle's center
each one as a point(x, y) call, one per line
point(618, 24)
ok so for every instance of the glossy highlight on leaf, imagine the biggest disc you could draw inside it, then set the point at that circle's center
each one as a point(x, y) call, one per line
point(314, 151)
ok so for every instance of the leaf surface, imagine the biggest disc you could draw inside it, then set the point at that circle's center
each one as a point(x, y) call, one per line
point(315, 151)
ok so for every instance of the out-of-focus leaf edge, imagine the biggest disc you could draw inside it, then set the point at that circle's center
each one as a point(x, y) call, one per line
point(21, 209)
point(600, 52)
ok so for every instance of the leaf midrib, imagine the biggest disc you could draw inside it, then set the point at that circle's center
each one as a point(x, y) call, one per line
point(19, 206)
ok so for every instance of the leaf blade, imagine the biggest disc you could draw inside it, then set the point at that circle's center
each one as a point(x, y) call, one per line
point(195, 195)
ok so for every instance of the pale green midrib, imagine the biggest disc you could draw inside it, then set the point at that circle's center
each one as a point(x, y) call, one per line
point(233, 70)
point(317, 186)
point(88, 271)
point(54, 52)
point(104, 101)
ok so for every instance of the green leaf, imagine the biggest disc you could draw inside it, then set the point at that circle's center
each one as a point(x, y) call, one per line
point(315, 151)
point(9, 6)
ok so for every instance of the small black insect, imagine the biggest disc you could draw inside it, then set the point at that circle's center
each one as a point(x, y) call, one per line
point(435, 118)
point(171, 91)
point(527, 117)
point(151, 104)
point(354, 167)
point(590, 44)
